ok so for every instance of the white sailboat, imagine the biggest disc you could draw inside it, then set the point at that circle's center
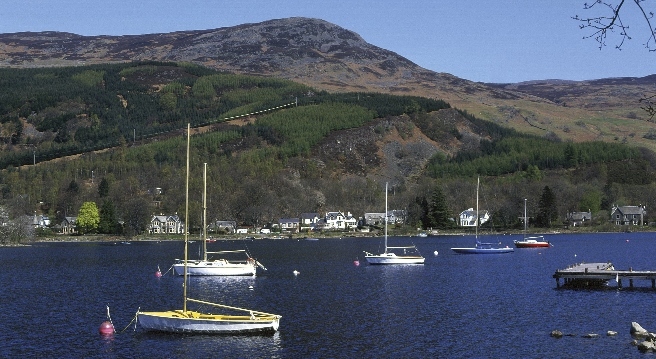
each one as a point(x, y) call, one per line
point(188, 321)
point(481, 247)
point(407, 255)
point(219, 267)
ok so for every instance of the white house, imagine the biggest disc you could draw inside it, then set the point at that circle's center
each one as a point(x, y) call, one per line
point(289, 224)
point(467, 217)
point(337, 221)
point(166, 224)
point(40, 221)
point(308, 221)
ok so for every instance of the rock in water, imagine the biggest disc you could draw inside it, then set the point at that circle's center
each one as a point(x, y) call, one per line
point(636, 329)
point(556, 334)
point(646, 346)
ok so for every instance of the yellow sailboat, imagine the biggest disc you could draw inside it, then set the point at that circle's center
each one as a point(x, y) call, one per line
point(188, 321)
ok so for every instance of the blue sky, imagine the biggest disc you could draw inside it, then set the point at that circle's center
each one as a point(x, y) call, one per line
point(478, 40)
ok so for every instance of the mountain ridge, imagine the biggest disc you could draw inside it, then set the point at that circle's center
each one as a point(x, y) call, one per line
point(328, 57)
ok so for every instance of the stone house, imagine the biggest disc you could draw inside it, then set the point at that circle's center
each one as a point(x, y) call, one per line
point(224, 226)
point(577, 219)
point(69, 225)
point(628, 215)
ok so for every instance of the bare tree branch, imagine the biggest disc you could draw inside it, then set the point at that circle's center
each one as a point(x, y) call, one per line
point(612, 22)
point(602, 25)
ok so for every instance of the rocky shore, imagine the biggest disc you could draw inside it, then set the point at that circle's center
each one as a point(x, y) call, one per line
point(644, 340)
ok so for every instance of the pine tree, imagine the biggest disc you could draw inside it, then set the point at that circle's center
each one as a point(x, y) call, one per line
point(108, 222)
point(547, 210)
point(103, 188)
point(438, 211)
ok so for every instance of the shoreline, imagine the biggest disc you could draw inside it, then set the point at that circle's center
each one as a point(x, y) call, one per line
point(297, 236)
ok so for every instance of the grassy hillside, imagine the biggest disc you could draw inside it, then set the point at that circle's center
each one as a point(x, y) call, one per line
point(276, 149)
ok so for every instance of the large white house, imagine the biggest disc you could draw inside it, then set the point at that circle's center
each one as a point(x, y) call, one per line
point(337, 221)
point(166, 224)
point(467, 217)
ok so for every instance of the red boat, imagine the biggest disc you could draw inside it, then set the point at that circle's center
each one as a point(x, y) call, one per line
point(532, 242)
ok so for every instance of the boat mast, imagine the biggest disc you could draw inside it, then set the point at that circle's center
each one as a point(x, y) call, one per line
point(186, 226)
point(525, 219)
point(478, 182)
point(205, 211)
point(386, 218)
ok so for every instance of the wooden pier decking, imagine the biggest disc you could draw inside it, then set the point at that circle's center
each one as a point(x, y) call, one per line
point(600, 275)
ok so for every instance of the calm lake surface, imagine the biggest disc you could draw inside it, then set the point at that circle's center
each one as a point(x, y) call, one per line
point(54, 298)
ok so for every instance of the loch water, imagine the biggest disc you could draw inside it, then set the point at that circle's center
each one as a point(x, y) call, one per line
point(54, 298)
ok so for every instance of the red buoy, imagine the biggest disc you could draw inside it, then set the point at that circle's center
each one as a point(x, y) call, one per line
point(106, 328)
point(158, 274)
point(356, 262)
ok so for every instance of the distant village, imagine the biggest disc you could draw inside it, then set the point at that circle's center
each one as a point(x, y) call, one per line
point(339, 221)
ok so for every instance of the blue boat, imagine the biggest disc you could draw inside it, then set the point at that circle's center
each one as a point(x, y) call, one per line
point(482, 248)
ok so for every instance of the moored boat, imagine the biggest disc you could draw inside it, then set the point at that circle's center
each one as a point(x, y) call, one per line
point(195, 322)
point(405, 255)
point(482, 247)
point(530, 242)
point(216, 267)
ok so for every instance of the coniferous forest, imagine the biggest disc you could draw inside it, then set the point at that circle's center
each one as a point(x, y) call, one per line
point(114, 136)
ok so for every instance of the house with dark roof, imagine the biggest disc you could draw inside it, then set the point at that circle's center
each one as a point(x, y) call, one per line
point(628, 215)
point(69, 225)
point(577, 219)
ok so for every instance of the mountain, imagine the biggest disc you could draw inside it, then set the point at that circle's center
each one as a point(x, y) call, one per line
point(326, 56)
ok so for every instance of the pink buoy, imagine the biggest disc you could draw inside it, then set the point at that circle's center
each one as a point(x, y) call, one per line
point(158, 274)
point(106, 328)
point(357, 263)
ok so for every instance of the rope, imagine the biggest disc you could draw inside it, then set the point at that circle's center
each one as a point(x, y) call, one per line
point(133, 320)
point(230, 307)
point(110, 318)
point(167, 270)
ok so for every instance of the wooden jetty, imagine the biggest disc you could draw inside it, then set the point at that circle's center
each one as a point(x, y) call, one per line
point(584, 275)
